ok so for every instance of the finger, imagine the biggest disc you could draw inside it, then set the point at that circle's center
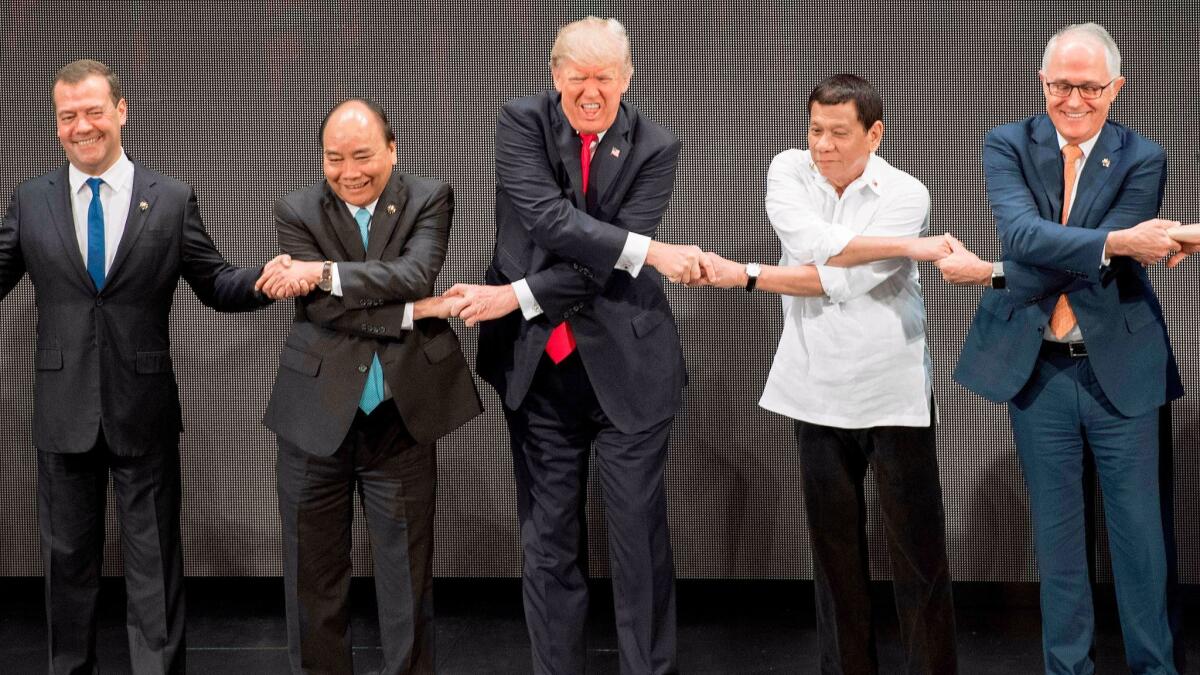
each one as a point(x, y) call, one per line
point(457, 291)
point(708, 267)
point(1176, 259)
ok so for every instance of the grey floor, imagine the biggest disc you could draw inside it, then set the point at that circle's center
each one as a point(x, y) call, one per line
point(235, 626)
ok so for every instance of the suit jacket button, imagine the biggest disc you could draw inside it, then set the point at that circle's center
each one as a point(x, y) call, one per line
point(99, 301)
point(362, 368)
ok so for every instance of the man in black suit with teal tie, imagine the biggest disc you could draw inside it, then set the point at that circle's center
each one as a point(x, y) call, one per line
point(105, 241)
point(592, 357)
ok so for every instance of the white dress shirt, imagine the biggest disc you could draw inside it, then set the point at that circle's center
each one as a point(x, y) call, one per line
point(406, 323)
point(633, 257)
point(115, 194)
point(1073, 335)
point(855, 357)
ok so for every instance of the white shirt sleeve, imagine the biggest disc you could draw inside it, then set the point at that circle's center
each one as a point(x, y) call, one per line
point(406, 323)
point(633, 256)
point(803, 233)
point(530, 308)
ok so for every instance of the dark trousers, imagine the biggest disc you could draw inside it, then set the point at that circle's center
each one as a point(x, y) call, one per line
point(1062, 409)
point(833, 465)
point(71, 498)
point(395, 479)
point(552, 434)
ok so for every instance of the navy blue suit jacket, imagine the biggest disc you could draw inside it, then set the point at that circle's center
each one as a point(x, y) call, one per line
point(566, 248)
point(1117, 310)
point(104, 357)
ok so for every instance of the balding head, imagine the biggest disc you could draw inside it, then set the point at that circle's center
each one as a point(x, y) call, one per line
point(1080, 80)
point(359, 151)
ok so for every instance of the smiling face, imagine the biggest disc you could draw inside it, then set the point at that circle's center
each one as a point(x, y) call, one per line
point(591, 93)
point(1077, 60)
point(89, 123)
point(358, 158)
point(838, 143)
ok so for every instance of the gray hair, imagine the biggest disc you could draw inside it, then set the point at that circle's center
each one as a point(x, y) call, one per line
point(592, 40)
point(1094, 31)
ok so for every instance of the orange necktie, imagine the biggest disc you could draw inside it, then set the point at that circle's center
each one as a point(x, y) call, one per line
point(562, 339)
point(1063, 319)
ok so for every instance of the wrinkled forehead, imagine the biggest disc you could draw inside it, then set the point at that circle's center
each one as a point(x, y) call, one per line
point(1078, 53)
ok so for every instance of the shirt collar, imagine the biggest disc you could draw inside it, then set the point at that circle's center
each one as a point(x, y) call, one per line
point(599, 136)
point(872, 176)
point(118, 177)
point(354, 209)
point(1085, 146)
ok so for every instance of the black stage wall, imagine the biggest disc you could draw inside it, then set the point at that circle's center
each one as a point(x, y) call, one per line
point(228, 96)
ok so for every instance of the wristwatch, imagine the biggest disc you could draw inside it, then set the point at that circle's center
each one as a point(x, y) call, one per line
point(326, 282)
point(998, 282)
point(752, 272)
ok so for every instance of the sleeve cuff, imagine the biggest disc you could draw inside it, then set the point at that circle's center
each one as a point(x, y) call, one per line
point(633, 256)
point(837, 238)
point(835, 282)
point(407, 322)
point(336, 289)
point(529, 304)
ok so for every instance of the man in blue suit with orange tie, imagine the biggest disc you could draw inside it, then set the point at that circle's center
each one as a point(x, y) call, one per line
point(1072, 338)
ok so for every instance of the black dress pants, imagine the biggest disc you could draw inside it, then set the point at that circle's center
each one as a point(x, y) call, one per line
point(552, 435)
point(71, 497)
point(833, 464)
point(395, 479)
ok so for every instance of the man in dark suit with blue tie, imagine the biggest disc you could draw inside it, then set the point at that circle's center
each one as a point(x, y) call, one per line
point(592, 357)
point(1072, 338)
point(370, 377)
point(105, 241)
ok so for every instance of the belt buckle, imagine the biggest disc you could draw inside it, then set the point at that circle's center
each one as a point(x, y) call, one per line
point(1076, 350)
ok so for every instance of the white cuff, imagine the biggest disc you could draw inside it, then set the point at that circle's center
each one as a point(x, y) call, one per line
point(838, 238)
point(407, 322)
point(633, 256)
point(336, 289)
point(835, 282)
point(529, 304)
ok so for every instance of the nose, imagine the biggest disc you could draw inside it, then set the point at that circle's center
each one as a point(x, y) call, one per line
point(823, 142)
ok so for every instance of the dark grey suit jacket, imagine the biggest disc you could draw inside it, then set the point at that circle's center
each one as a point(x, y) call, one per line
point(566, 247)
point(324, 363)
point(104, 358)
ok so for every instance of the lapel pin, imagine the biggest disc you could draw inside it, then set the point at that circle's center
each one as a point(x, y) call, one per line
point(1104, 162)
point(143, 205)
point(392, 207)
point(616, 152)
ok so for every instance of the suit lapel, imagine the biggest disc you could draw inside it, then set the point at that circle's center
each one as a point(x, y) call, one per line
point(143, 194)
point(1048, 162)
point(568, 145)
point(1096, 172)
point(343, 225)
point(609, 159)
point(59, 199)
point(387, 215)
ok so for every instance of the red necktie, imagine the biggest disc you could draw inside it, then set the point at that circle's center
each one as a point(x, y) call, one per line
point(562, 341)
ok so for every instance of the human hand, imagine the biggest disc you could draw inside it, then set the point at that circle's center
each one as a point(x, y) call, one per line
point(1145, 242)
point(680, 263)
point(962, 266)
point(475, 302)
point(725, 273)
point(1185, 249)
point(285, 277)
point(435, 307)
point(930, 249)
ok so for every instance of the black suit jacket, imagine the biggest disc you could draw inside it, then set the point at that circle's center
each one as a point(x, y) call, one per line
point(566, 248)
point(104, 358)
point(324, 363)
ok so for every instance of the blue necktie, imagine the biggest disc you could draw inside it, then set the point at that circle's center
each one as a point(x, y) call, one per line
point(95, 243)
point(372, 394)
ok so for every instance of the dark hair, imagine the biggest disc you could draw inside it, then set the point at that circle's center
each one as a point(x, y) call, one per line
point(842, 88)
point(78, 71)
point(375, 109)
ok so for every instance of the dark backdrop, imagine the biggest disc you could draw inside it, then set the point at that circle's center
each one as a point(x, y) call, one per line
point(228, 95)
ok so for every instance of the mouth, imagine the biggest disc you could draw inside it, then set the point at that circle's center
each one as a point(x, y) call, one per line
point(590, 108)
point(86, 142)
point(356, 185)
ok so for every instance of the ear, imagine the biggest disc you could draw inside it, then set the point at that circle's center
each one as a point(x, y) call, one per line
point(391, 148)
point(1116, 85)
point(625, 85)
point(875, 134)
point(122, 111)
point(557, 75)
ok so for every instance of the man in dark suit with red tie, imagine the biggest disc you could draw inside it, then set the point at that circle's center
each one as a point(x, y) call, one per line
point(105, 241)
point(592, 357)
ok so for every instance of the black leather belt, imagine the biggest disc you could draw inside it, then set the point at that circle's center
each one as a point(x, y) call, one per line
point(1075, 350)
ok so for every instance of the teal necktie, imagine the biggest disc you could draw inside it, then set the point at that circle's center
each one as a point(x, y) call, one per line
point(372, 394)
